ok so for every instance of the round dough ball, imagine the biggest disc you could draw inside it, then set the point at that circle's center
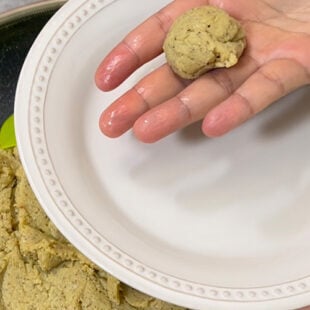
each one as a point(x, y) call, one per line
point(202, 39)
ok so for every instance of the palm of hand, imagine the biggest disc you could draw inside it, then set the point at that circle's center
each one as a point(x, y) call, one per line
point(275, 63)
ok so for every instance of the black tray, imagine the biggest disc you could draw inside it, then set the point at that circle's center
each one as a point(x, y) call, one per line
point(18, 30)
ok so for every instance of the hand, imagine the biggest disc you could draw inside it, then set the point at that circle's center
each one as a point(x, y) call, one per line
point(276, 62)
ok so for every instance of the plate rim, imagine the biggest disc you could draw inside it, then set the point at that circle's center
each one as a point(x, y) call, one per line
point(39, 169)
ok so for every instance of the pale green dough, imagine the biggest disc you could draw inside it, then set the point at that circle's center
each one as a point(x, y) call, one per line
point(202, 39)
point(40, 269)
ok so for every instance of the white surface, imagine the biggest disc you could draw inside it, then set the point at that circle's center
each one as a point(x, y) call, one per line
point(220, 224)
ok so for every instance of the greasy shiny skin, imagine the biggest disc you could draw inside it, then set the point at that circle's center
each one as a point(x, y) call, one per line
point(275, 63)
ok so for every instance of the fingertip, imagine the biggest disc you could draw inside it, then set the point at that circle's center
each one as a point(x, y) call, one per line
point(143, 131)
point(161, 121)
point(121, 115)
point(100, 83)
point(213, 124)
point(106, 126)
point(104, 78)
point(116, 67)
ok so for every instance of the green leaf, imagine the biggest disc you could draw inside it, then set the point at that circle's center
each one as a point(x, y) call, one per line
point(7, 134)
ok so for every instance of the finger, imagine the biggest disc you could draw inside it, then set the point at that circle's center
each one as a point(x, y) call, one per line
point(153, 89)
point(193, 102)
point(140, 46)
point(271, 82)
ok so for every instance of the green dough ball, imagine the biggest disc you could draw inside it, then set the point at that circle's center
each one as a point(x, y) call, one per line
point(202, 39)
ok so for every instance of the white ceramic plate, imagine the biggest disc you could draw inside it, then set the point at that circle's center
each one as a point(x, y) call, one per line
point(207, 224)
